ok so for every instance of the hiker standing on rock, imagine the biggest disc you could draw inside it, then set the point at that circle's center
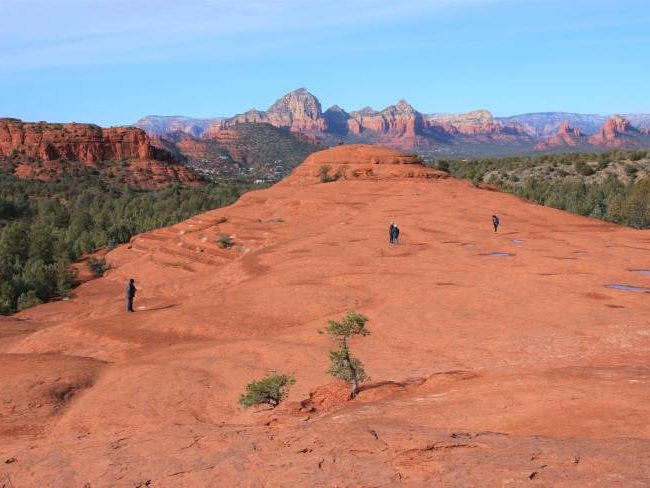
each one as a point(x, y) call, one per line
point(393, 232)
point(495, 222)
point(130, 295)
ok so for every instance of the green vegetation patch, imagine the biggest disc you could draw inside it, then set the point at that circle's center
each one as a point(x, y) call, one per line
point(45, 226)
point(612, 186)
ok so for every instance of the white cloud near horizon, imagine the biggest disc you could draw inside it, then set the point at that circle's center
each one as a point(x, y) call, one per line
point(43, 34)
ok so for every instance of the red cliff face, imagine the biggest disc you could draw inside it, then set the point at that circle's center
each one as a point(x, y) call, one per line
point(74, 142)
point(477, 122)
point(566, 130)
point(566, 136)
point(43, 150)
point(298, 111)
point(399, 121)
point(477, 126)
point(616, 132)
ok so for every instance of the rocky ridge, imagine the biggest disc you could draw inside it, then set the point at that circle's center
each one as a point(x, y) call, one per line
point(47, 150)
point(473, 134)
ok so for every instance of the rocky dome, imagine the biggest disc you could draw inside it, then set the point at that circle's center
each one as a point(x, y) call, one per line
point(361, 161)
point(500, 357)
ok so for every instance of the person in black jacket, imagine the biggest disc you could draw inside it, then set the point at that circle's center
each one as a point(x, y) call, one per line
point(130, 295)
point(495, 222)
point(395, 234)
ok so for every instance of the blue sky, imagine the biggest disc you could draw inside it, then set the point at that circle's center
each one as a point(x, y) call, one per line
point(113, 61)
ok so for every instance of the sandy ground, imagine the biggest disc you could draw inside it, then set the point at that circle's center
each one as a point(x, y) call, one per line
point(517, 370)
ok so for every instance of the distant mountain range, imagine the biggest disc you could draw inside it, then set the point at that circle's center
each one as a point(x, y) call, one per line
point(400, 125)
point(160, 125)
point(268, 144)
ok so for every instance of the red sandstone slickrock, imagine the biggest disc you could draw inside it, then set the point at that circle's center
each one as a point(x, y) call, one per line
point(523, 370)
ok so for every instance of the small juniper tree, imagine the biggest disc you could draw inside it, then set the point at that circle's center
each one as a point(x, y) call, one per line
point(270, 390)
point(324, 173)
point(225, 241)
point(343, 365)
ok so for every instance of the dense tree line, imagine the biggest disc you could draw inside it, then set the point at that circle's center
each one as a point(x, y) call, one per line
point(45, 226)
point(611, 200)
point(608, 198)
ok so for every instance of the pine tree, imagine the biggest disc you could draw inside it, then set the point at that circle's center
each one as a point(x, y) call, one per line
point(343, 365)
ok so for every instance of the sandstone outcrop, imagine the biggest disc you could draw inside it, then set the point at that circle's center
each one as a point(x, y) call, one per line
point(360, 161)
point(75, 142)
point(486, 370)
point(45, 150)
point(616, 132)
point(566, 136)
point(297, 111)
point(396, 121)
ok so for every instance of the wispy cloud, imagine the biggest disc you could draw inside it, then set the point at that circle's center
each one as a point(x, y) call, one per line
point(38, 34)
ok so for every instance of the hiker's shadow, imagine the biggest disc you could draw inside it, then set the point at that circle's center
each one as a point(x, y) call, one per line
point(159, 307)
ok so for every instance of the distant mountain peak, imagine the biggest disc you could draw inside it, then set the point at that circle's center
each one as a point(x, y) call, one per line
point(404, 106)
point(335, 108)
point(366, 110)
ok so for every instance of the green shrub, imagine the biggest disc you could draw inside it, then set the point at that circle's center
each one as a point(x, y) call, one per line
point(225, 241)
point(97, 266)
point(324, 173)
point(28, 299)
point(602, 164)
point(441, 165)
point(583, 168)
point(270, 390)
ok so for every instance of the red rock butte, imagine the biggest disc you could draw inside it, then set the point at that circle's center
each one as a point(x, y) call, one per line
point(495, 359)
point(48, 150)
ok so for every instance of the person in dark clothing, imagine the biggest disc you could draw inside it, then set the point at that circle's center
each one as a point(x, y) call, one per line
point(495, 222)
point(393, 231)
point(130, 295)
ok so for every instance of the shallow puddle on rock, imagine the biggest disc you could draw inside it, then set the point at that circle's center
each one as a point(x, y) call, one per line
point(500, 254)
point(617, 286)
point(518, 241)
point(641, 271)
